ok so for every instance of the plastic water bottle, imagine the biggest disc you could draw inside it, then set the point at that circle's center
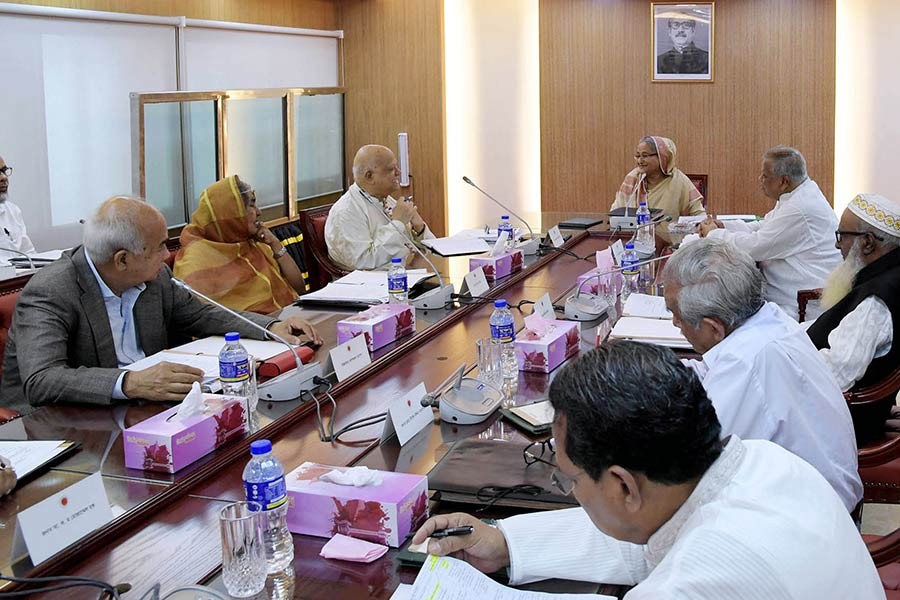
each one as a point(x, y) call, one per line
point(503, 332)
point(630, 272)
point(234, 371)
point(397, 289)
point(646, 237)
point(506, 226)
point(264, 483)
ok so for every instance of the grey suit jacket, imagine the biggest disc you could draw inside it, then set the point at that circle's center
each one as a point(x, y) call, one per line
point(60, 346)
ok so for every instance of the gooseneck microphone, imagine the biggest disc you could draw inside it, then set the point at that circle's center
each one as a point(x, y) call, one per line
point(589, 307)
point(528, 248)
point(435, 299)
point(20, 253)
point(286, 386)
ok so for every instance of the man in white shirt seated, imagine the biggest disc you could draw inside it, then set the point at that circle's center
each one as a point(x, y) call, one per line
point(762, 373)
point(12, 227)
point(855, 334)
point(359, 233)
point(666, 505)
point(793, 244)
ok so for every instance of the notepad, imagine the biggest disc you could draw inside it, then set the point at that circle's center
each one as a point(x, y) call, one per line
point(366, 287)
point(28, 456)
point(538, 414)
point(646, 306)
point(457, 246)
point(653, 331)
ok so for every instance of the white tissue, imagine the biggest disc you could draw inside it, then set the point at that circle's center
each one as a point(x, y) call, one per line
point(355, 476)
point(193, 404)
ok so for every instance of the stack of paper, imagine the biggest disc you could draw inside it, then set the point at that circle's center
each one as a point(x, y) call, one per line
point(457, 246)
point(653, 331)
point(646, 306)
point(362, 287)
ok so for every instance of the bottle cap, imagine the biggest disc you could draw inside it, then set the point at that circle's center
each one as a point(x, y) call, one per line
point(504, 216)
point(232, 336)
point(629, 246)
point(260, 447)
point(643, 203)
point(499, 303)
point(396, 260)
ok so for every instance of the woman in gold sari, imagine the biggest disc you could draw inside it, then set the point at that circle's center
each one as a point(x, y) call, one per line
point(229, 255)
point(656, 180)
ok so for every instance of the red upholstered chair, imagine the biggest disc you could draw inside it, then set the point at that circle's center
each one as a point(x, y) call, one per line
point(7, 307)
point(885, 551)
point(804, 297)
point(700, 182)
point(321, 268)
point(879, 461)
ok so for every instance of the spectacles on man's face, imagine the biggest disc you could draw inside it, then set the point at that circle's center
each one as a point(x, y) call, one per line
point(7, 170)
point(839, 235)
point(681, 24)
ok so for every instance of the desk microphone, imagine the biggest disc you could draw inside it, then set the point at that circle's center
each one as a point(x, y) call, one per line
point(464, 400)
point(528, 248)
point(435, 299)
point(20, 253)
point(286, 386)
point(589, 307)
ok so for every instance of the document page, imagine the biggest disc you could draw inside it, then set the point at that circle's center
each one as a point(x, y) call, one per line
point(457, 246)
point(538, 413)
point(644, 305)
point(29, 455)
point(654, 331)
point(446, 578)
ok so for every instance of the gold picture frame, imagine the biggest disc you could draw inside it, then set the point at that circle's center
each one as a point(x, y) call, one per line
point(682, 41)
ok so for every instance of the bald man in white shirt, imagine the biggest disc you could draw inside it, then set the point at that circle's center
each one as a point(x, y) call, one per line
point(12, 226)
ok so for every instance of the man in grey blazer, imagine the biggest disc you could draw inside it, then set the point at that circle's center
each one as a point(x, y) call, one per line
point(105, 305)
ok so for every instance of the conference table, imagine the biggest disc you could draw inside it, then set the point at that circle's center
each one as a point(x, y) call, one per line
point(166, 525)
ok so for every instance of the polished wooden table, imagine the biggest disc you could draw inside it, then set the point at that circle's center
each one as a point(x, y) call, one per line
point(169, 531)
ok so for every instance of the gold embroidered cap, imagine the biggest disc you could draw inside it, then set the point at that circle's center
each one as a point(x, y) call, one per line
point(878, 211)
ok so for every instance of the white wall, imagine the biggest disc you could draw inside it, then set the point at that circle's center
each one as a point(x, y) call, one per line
point(493, 109)
point(867, 120)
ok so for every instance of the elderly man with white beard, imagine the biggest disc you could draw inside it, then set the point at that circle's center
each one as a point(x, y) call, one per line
point(855, 334)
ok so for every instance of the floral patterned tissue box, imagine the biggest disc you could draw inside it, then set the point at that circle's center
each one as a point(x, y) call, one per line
point(161, 444)
point(381, 324)
point(384, 513)
point(543, 345)
point(499, 266)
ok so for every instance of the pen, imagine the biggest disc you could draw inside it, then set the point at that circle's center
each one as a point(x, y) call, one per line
point(453, 531)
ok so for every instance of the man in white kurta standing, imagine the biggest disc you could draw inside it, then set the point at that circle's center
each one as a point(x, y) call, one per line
point(760, 369)
point(666, 505)
point(794, 243)
point(12, 226)
point(357, 236)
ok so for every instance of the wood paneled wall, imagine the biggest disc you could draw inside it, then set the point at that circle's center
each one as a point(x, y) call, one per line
point(312, 14)
point(394, 75)
point(774, 84)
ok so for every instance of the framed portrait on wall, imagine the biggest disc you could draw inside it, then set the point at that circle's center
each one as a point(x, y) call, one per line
point(682, 41)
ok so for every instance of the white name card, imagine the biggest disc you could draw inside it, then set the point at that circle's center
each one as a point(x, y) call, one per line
point(556, 237)
point(476, 282)
point(618, 249)
point(406, 415)
point(544, 308)
point(64, 518)
point(350, 357)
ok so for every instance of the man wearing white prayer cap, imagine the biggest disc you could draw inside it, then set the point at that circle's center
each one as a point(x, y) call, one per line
point(856, 332)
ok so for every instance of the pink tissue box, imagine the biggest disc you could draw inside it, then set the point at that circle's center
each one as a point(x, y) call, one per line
point(381, 324)
point(543, 353)
point(158, 444)
point(497, 267)
point(594, 286)
point(384, 514)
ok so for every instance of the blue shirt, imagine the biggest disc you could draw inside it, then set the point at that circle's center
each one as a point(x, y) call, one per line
point(120, 310)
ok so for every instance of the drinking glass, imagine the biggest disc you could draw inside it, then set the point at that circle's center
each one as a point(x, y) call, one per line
point(488, 361)
point(243, 556)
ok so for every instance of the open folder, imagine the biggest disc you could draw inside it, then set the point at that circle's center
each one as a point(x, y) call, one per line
point(653, 331)
point(360, 289)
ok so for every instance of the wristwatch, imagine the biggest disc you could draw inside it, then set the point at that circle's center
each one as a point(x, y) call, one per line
point(281, 252)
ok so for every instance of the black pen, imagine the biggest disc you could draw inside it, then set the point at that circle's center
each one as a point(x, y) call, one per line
point(453, 531)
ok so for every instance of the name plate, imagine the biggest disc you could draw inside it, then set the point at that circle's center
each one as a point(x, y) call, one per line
point(406, 415)
point(556, 237)
point(544, 308)
point(476, 282)
point(64, 518)
point(350, 357)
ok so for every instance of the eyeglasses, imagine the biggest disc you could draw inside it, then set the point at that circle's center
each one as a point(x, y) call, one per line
point(839, 235)
point(564, 483)
point(7, 170)
point(644, 156)
point(681, 24)
point(537, 455)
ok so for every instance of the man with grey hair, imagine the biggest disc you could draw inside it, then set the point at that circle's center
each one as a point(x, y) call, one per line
point(13, 236)
point(105, 305)
point(357, 236)
point(762, 373)
point(793, 244)
point(861, 298)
